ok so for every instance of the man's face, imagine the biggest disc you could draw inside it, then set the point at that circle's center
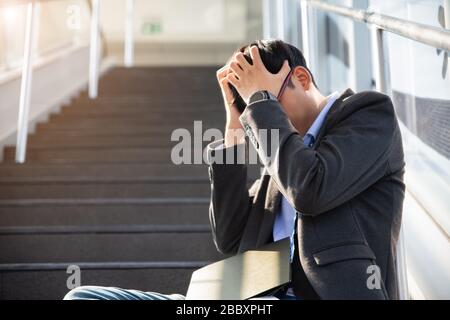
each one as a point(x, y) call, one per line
point(295, 100)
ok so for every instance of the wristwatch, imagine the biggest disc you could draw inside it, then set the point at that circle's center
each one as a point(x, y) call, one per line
point(261, 95)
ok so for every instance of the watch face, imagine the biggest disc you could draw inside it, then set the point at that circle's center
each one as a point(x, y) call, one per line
point(257, 96)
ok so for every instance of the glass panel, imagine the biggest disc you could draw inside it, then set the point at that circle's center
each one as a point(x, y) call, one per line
point(421, 94)
point(12, 24)
point(62, 24)
point(337, 51)
point(420, 80)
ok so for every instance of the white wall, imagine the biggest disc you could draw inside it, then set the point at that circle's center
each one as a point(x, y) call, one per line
point(58, 24)
point(200, 32)
point(54, 81)
point(178, 20)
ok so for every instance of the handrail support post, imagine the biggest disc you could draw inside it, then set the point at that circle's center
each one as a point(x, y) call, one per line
point(129, 36)
point(26, 84)
point(94, 53)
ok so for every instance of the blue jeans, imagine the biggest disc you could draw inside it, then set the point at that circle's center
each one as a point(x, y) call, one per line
point(112, 293)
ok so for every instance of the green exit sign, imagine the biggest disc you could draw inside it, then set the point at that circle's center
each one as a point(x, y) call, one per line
point(151, 28)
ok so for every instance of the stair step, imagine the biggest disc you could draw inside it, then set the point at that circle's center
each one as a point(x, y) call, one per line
point(93, 215)
point(115, 109)
point(164, 90)
point(144, 117)
point(191, 72)
point(93, 190)
point(161, 131)
point(101, 201)
point(166, 85)
point(160, 70)
point(145, 103)
point(104, 229)
point(131, 128)
point(167, 119)
point(49, 281)
point(112, 133)
point(94, 155)
point(102, 172)
point(169, 87)
point(148, 102)
point(104, 247)
point(52, 141)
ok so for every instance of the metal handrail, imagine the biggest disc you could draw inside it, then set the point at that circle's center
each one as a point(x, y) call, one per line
point(27, 67)
point(426, 34)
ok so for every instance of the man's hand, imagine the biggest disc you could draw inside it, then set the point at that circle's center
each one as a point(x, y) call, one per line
point(249, 78)
point(221, 75)
point(234, 133)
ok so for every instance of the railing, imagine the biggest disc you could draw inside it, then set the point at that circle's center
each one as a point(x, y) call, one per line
point(94, 53)
point(25, 86)
point(94, 61)
point(438, 38)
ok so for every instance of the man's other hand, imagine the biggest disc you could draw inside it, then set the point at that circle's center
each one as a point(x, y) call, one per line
point(234, 133)
point(227, 95)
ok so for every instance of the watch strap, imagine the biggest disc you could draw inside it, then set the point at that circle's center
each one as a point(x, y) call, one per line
point(262, 95)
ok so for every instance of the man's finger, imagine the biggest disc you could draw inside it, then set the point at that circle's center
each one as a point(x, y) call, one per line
point(223, 71)
point(233, 80)
point(254, 53)
point(240, 58)
point(223, 81)
point(285, 68)
point(236, 69)
point(228, 95)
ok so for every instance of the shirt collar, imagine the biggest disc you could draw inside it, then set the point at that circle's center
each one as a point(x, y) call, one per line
point(317, 124)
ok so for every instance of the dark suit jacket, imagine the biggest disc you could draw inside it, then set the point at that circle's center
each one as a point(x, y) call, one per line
point(347, 191)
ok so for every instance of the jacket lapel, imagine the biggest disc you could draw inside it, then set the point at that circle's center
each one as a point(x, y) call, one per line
point(332, 114)
point(271, 205)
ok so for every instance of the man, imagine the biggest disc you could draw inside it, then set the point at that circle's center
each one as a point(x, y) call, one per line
point(333, 183)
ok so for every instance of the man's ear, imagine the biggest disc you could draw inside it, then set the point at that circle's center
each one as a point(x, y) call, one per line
point(303, 77)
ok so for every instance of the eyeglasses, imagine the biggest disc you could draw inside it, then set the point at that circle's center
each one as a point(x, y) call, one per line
point(285, 83)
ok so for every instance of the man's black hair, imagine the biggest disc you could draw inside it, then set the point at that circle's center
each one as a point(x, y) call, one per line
point(273, 53)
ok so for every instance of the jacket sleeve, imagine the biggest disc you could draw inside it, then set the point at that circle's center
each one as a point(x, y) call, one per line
point(231, 200)
point(351, 156)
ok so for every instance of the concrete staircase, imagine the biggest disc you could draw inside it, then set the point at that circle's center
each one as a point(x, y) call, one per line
point(99, 190)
